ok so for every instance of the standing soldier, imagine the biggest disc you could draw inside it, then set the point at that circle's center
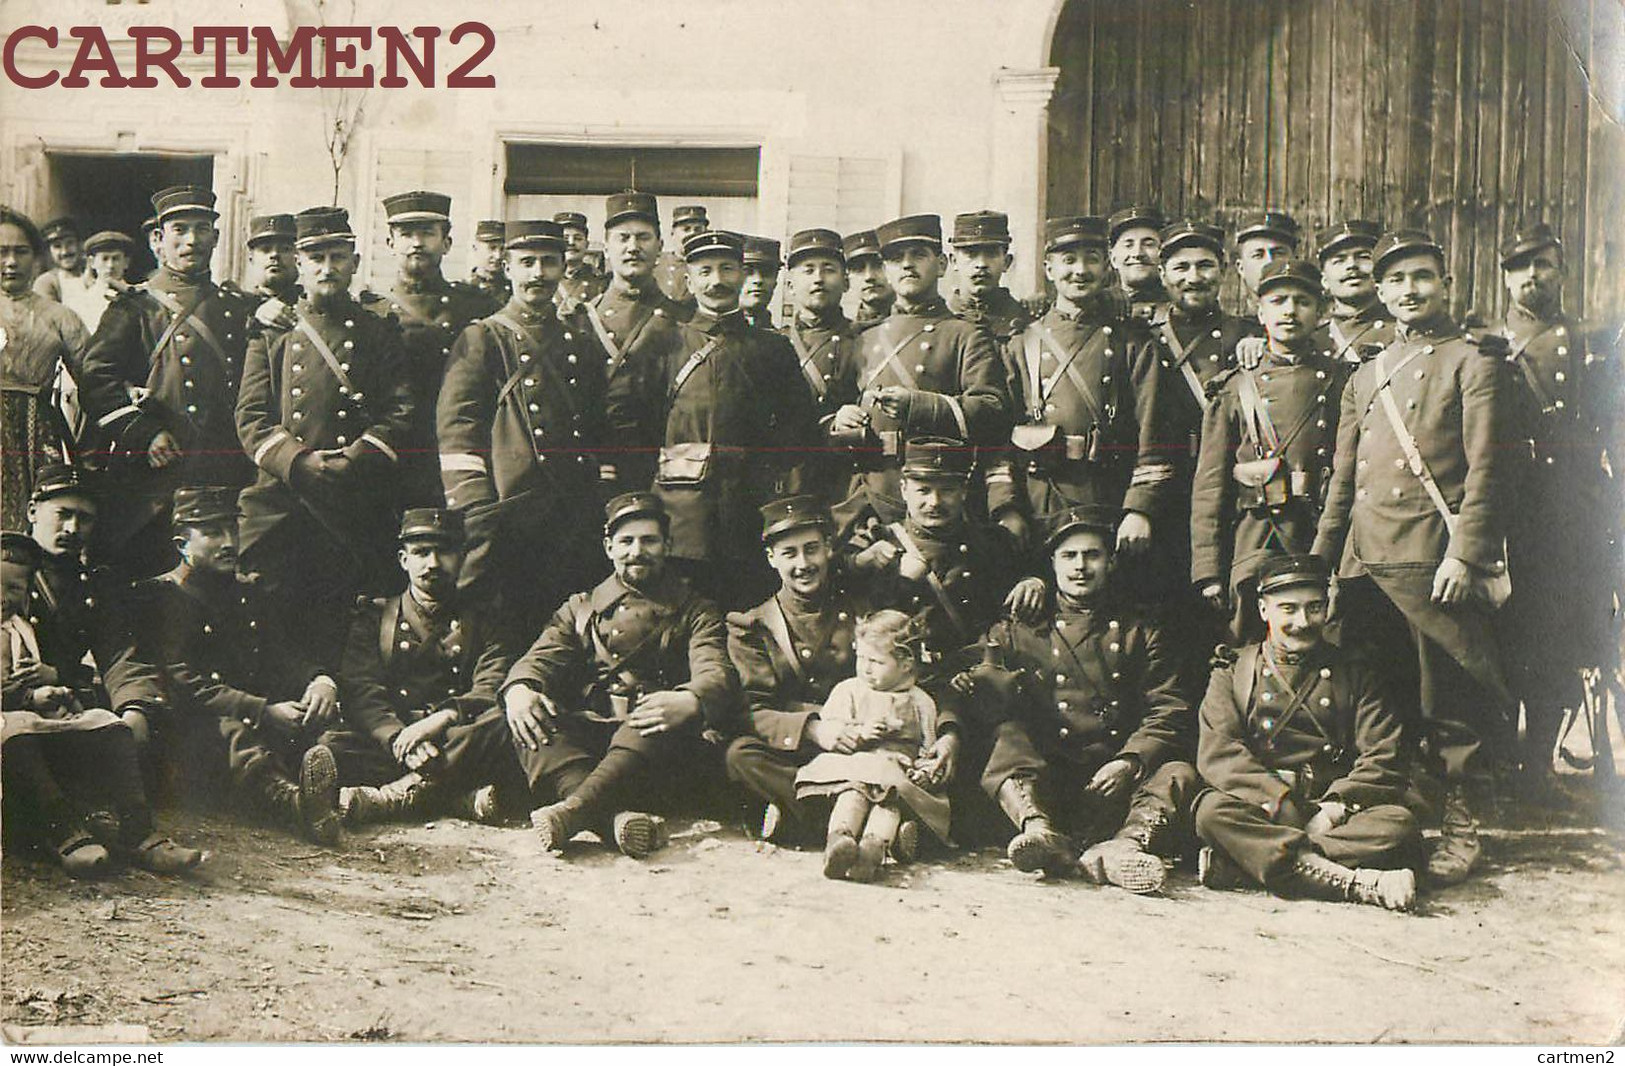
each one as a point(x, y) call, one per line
point(1134, 236)
point(980, 258)
point(924, 373)
point(826, 344)
point(1415, 514)
point(273, 270)
point(1087, 386)
point(1358, 326)
point(522, 419)
point(160, 382)
point(432, 312)
point(1565, 404)
point(487, 274)
point(65, 280)
point(583, 282)
point(1261, 238)
point(875, 294)
point(686, 221)
point(739, 423)
point(1309, 787)
point(1267, 445)
point(762, 266)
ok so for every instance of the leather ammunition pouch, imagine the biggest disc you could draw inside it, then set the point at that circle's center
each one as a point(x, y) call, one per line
point(684, 464)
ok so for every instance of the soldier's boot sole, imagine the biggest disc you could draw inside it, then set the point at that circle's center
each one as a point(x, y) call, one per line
point(871, 854)
point(1393, 890)
point(82, 858)
point(906, 848)
point(1129, 868)
point(319, 795)
point(160, 855)
point(554, 825)
point(1034, 850)
point(840, 854)
point(638, 835)
point(1215, 870)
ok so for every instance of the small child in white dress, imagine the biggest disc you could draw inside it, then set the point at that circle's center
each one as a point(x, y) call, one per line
point(876, 784)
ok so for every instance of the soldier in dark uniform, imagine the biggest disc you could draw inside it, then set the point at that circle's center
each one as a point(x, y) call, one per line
point(610, 699)
point(1416, 516)
point(1267, 445)
point(826, 345)
point(980, 258)
point(431, 312)
point(583, 282)
point(1090, 721)
point(325, 412)
point(1261, 238)
point(1309, 793)
point(231, 676)
point(924, 373)
point(762, 266)
point(522, 420)
point(1134, 238)
point(271, 280)
point(863, 262)
point(739, 423)
point(419, 669)
point(488, 274)
point(1087, 384)
point(791, 650)
point(1357, 326)
point(160, 382)
point(1563, 537)
point(636, 323)
point(669, 271)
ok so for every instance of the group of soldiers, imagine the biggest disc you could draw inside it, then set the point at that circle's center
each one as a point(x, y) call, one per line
point(581, 549)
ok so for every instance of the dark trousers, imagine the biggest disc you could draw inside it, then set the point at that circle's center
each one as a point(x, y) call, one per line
point(1383, 837)
point(768, 775)
point(467, 759)
point(39, 771)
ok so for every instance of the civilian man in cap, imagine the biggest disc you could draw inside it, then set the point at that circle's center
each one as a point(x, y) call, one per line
point(1416, 514)
point(272, 277)
point(826, 344)
point(1267, 445)
point(1357, 324)
point(1309, 787)
point(762, 266)
point(65, 279)
point(636, 323)
point(863, 262)
point(791, 650)
point(233, 680)
point(432, 312)
point(739, 424)
point(523, 433)
point(1563, 536)
point(419, 668)
point(1087, 384)
point(980, 257)
point(325, 412)
point(583, 282)
point(669, 271)
point(487, 275)
point(1089, 720)
point(1261, 238)
point(107, 256)
point(611, 698)
point(1134, 238)
point(924, 373)
point(160, 383)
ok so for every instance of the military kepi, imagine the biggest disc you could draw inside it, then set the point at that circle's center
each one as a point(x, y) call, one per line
point(976, 228)
point(762, 250)
point(689, 213)
point(630, 505)
point(439, 524)
point(789, 513)
point(1073, 230)
point(417, 206)
point(491, 230)
point(1281, 272)
point(1354, 233)
point(1404, 242)
point(1292, 571)
point(1185, 233)
point(938, 458)
point(1277, 224)
point(571, 220)
point(197, 504)
point(1098, 517)
point(714, 242)
point(263, 228)
point(318, 227)
point(1527, 242)
point(1138, 216)
point(540, 233)
point(57, 479)
point(859, 244)
point(926, 228)
point(108, 238)
point(630, 204)
point(824, 242)
point(183, 200)
point(58, 228)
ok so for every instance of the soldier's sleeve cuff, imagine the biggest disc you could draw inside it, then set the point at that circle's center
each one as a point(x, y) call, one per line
point(382, 445)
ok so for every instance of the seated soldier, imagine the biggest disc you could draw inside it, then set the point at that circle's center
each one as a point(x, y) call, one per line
point(613, 695)
point(1092, 723)
point(56, 734)
point(1309, 793)
point(791, 650)
point(419, 668)
point(233, 678)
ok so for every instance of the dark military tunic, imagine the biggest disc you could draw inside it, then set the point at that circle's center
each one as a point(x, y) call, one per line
point(522, 424)
point(671, 274)
point(637, 329)
point(1357, 336)
point(581, 284)
point(81, 612)
point(168, 355)
point(499, 290)
point(958, 387)
point(1144, 304)
point(1098, 382)
point(1276, 740)
point(1265, 466)
point(827, 350)
point(1000, 313)
point(868, 315)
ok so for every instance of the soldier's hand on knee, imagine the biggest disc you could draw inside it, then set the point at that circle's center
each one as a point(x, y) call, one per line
point(1114, 779)
point(1134, 533)
point(285, 716)
point(1452, 582)
point(1026, 601)
point(321, 702)
point(663, 712)
point(529, 715)
point(420, 756)
point(1328, 816)
point(1250, 352)
point(941, 759)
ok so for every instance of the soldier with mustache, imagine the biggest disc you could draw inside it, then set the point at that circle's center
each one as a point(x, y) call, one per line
point(980, 257)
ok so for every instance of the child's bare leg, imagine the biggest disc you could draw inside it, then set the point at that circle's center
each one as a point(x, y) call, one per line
point(878, 833)
point(846, 821)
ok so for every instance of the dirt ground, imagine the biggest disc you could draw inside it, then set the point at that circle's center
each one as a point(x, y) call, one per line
point(459, 932)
